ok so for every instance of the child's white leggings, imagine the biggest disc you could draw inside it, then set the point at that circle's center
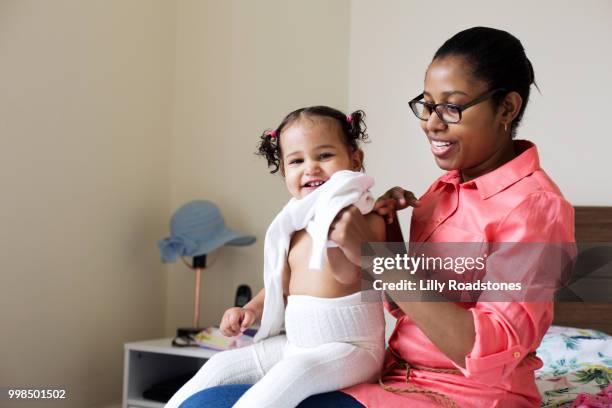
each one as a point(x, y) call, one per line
point(331, 343)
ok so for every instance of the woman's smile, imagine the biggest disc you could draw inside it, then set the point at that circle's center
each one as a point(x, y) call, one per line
point(442, 148)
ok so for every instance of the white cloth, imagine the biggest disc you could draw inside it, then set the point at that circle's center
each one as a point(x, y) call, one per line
point(330, 344)
point(319, 208)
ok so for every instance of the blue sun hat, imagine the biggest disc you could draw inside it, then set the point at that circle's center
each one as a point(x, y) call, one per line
point(198, 228)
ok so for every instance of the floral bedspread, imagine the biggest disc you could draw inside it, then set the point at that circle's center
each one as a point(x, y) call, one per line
point(575, 361)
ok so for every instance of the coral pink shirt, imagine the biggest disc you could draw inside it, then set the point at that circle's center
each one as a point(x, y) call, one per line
point(516, 202)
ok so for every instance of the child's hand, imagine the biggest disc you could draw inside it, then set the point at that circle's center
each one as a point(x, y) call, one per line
point(393, 200)
point(235, 320)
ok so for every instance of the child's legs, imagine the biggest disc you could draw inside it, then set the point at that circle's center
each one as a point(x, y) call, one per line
point(244, 365)
point(332, 343)
point(307, 371)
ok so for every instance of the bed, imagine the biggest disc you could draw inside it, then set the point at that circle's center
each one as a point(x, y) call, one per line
point(577, 349)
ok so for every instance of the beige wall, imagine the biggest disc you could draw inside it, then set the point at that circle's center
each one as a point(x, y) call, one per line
point(85, 96)
point(568, 45)
point(102, 140)
point(240, 67)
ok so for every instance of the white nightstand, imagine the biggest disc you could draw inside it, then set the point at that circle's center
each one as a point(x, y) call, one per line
point(149, 362)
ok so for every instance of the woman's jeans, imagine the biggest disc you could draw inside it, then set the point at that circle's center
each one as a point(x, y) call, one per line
point(224, 396)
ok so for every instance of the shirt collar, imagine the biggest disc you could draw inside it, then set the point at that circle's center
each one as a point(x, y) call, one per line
point(525, 163)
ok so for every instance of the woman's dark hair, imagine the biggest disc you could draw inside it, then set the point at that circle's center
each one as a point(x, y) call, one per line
point(353, 129)
point(497, 58)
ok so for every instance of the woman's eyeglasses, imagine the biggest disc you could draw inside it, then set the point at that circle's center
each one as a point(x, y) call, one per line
point(447, 112)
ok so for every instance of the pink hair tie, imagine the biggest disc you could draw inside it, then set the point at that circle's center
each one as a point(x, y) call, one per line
point(272, 134)
point(349, 118)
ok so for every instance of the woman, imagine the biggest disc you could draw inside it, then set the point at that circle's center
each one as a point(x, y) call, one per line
point(476, 90)
point(463, 354)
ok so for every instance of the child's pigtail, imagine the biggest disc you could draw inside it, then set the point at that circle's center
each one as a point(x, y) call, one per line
point(357, 127)
point(268, 147)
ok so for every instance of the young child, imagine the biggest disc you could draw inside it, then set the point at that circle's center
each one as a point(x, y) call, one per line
point(334, 333)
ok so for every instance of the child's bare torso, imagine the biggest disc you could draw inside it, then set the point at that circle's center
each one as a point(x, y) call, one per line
point(299, 280)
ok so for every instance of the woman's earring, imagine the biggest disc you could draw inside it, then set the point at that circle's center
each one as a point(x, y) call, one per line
point(505, 127)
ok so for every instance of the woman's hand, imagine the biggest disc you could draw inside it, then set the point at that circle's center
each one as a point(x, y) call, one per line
point(393, 200)
point(235, 320)
point(350, 229)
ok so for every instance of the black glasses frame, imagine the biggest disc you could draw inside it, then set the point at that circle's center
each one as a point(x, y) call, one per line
point(433, 107)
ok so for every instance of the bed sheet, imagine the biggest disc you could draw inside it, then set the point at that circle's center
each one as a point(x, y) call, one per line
point(575, 361)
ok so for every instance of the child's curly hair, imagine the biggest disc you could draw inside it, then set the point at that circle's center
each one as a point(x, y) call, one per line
point(353, 128)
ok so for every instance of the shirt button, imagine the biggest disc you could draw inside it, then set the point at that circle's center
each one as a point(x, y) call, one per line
point(516, 354)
